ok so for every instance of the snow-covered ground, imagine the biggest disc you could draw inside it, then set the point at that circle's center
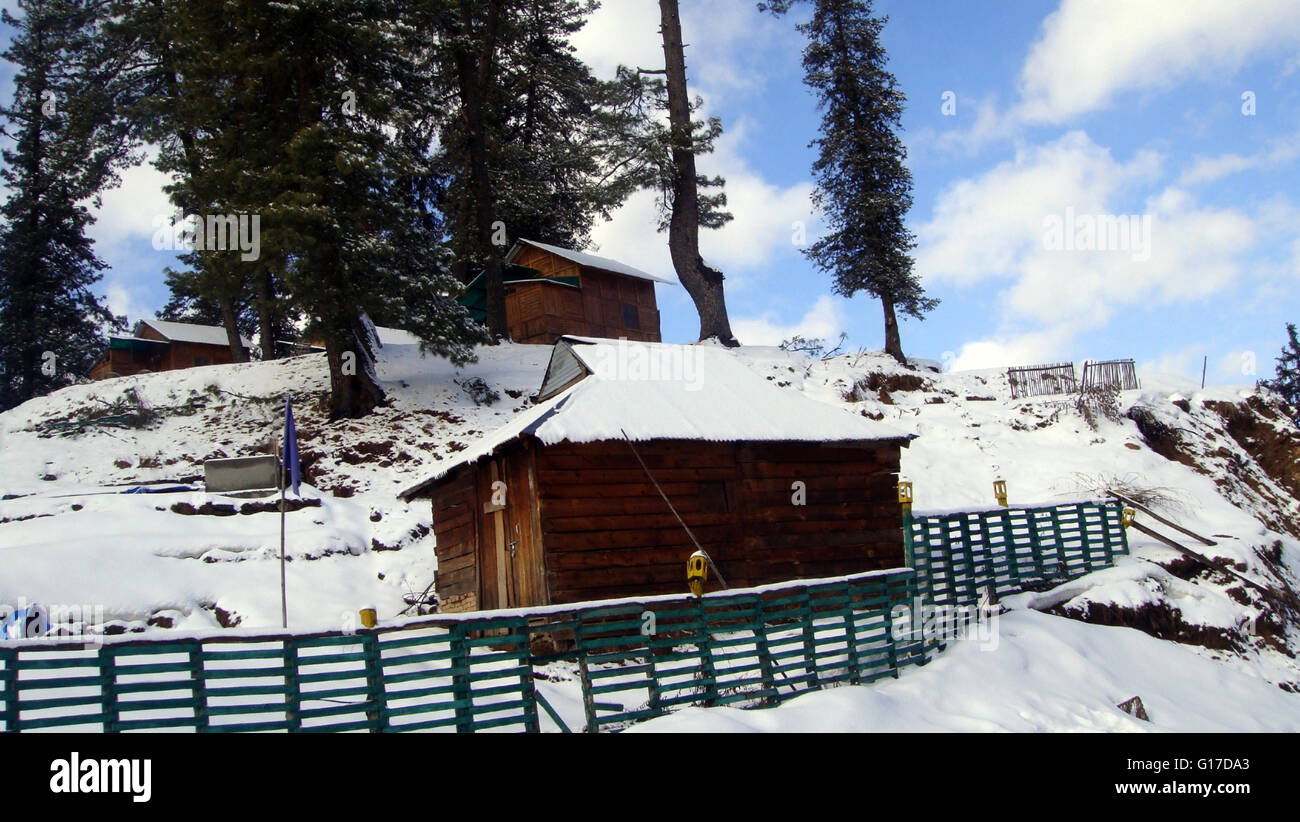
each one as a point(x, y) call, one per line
point(1047, 673)
point(69, 537)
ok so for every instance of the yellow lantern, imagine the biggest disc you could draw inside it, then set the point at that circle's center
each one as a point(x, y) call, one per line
point(369, 618)
point(1000, 491)
point(904, 492)
point(697, 571)
point(1126, 518)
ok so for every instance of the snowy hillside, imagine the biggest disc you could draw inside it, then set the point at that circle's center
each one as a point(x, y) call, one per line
point(1222, 462)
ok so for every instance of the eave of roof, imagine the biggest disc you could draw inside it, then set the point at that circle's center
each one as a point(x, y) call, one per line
point(582, 258)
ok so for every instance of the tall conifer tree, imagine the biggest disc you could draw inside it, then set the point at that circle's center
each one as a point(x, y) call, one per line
point(65, 152)
point(864, 189)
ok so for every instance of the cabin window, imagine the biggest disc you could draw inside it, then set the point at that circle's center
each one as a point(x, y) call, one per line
point(713, 497)
point(202, 361)
point(630, 318)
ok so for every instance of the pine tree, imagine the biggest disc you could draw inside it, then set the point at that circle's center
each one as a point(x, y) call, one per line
point(313, 117)
point(864, 189)
point(65, 152)
point(469, 35)
point(534, 145)
point(357, 240)
point(1287, 383)
point(561, 131)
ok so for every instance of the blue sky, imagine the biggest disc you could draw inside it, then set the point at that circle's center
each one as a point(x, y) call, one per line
point(1086, 107)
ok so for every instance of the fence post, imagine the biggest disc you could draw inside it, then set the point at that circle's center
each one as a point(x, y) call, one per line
point(968, 553)
point(460, 681)
point(9, 680)
point(764, 653)
point(1118, 531)
point(108, 689)
point(584, 674)
point(809, 640)
point(1009, 549)
point(1085, 547)
point(1061, 551)
point(292, 685)
point(198, 689)
point(1036, 542)
point(851, 635)
point(527, 689)
point(377, 714)
point(709, 670)
point(891, 641)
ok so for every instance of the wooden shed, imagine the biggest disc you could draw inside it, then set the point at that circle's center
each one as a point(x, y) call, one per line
point(552, 292)
point(557, 507)
point(159, 345)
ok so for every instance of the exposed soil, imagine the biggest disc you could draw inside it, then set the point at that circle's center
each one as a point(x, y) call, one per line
point(227, 510)
point(1158, 621)
point(1276, 449)
point(879, 386)
point(1161, 438)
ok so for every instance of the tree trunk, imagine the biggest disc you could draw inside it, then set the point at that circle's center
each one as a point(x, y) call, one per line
point(893, 343)
point(475, 70)
point(237, 352)
point(702, 282)
point(353, 389)
point(265, 314)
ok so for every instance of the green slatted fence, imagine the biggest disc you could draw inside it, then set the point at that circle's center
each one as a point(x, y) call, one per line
point(959, 554)
point(636, 658)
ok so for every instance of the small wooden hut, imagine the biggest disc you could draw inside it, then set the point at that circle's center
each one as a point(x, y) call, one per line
point(552, 292)
point(560, 505)
point(159, 345)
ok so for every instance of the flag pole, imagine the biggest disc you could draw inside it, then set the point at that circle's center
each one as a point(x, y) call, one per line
point(284, 606)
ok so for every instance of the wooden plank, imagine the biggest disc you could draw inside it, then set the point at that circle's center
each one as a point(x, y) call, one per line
point(603, 524)
point(547, 477)
point(1158, 518)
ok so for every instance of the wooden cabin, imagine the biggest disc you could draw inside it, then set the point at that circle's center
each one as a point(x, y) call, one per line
point(556, 507)
point(552, 292)
point(159, 345)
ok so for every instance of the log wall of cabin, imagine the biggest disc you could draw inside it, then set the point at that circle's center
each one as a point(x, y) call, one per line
point(542, 312)
point(456, 529)
point(608, 533)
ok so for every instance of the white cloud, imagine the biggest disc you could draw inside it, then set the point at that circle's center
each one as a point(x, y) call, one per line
point(983, 227)
point(1279, 153)
point(1090, 51)
point(729, 51)
point(1239, 366)
point(120, 301)
point(1008, 350)
point(764, 215)
point(990, 231)
point(729, 44)
point(824, 320)
point(989, 123)
point(1184, 362)
point(621, 32)
point(125, 217)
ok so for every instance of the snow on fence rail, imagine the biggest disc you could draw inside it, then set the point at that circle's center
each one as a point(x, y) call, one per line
point(636, 658)
point(957, 555)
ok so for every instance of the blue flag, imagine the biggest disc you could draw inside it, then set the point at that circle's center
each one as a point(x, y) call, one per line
point(291, 446)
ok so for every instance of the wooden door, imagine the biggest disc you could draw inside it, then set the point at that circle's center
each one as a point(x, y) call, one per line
point(499, 551)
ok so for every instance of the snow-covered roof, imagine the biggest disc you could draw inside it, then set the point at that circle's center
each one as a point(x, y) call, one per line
point(661, 391)
point(592, 261)
point(396, 336)
point(193, 333)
